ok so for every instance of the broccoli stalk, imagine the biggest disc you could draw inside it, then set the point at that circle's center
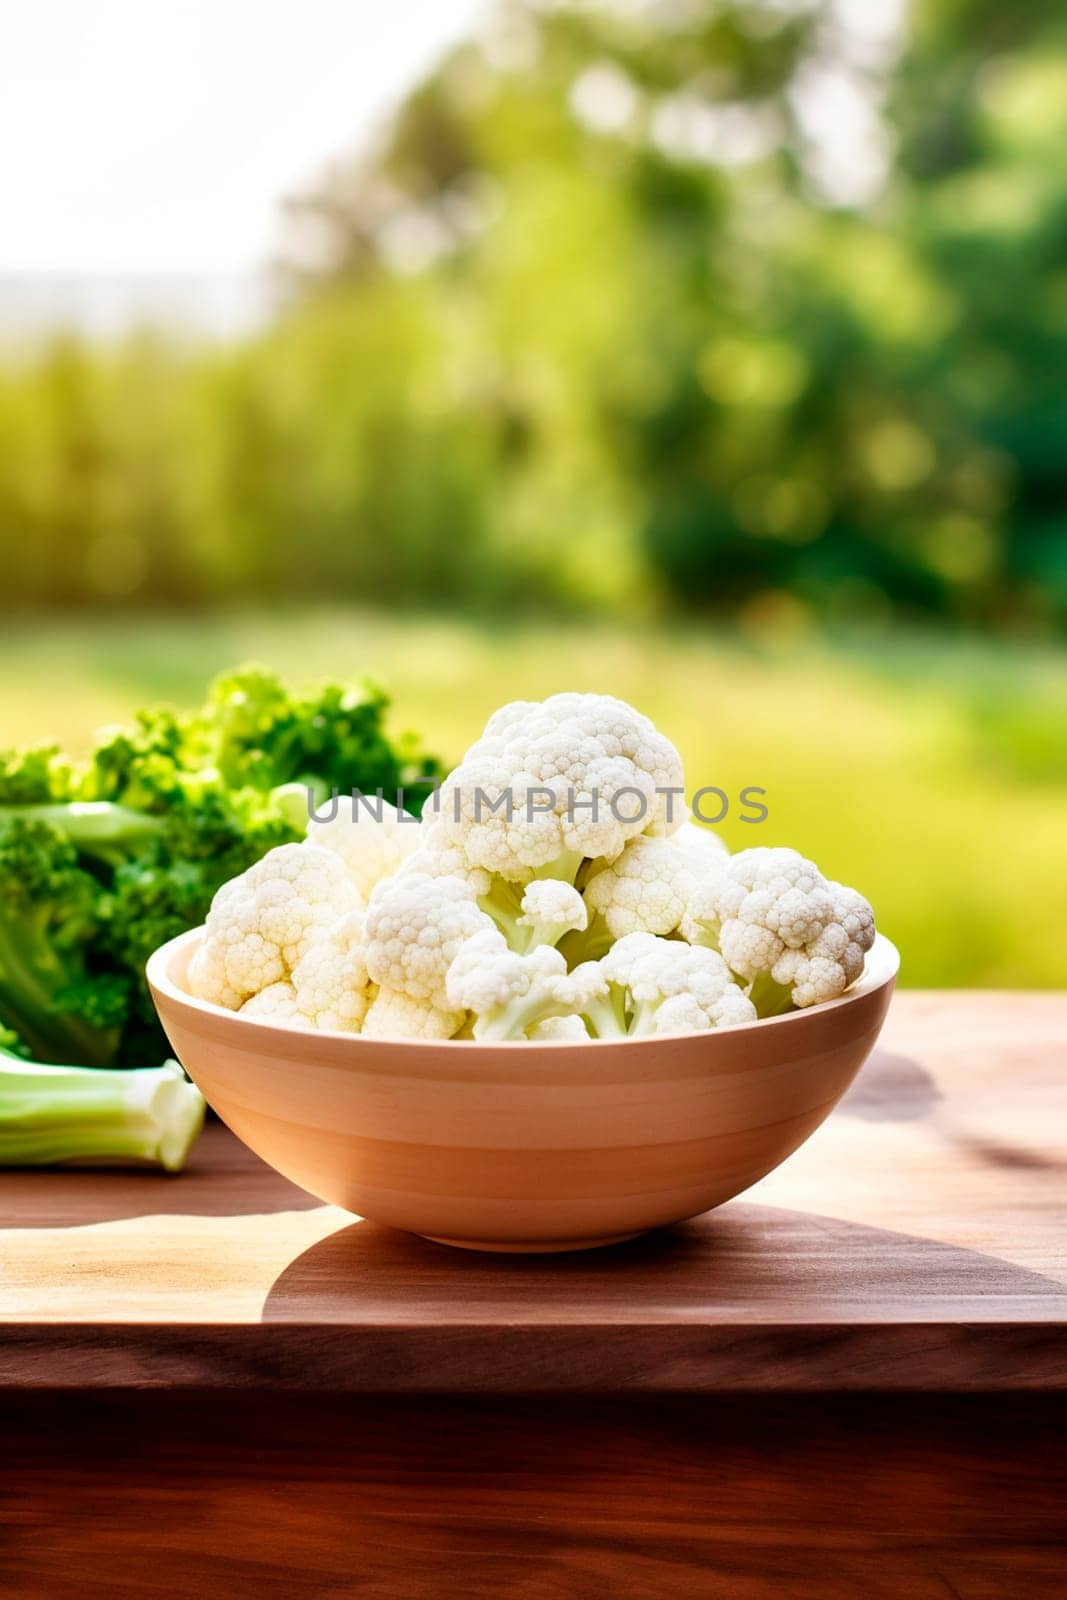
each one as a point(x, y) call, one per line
point(90, 1116)
point(98, 829)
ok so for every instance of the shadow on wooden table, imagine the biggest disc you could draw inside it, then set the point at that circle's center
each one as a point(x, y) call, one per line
point(744, 1258)
point(891, 1088)
point(895, 1088)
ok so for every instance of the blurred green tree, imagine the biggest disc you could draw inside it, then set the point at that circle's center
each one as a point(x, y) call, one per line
point(776, 290)
point(755, 307)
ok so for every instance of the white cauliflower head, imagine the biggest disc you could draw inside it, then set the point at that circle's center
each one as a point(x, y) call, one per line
point(539, 911)
point(392, 1015)
point(559, 1030)
point(571, 777)
point(704, 850)
point(506, 991)
point(549, 908)
point(780, 925)
point(649, 887)
point(277, 1003)
point(437, 858)
point(826, 966)
point(330, 980)
point(261, 923)
point(414, 928)
point(372, 838)
point(673, 987)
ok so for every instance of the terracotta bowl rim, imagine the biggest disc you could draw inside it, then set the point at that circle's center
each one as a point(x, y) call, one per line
point(880, 972)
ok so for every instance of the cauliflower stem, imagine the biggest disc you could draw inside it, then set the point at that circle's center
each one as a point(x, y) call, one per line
point(770, 999)
point(540, 913)
point(605, 1013)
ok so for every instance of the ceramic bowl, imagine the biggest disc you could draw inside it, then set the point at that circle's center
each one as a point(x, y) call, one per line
point(530, 1146)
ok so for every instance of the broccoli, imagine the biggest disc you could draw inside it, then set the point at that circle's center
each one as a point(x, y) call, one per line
point(101, 863)
point(265, 736)
point(52, 992)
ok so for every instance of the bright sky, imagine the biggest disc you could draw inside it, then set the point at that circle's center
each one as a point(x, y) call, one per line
point(159, 136)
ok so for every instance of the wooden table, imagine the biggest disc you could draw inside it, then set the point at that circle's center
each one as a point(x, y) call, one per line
point(851, 1382)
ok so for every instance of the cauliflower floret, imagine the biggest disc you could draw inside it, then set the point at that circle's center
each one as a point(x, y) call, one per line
point(649, 887)
point(528, 911)
point(655, 970)
point(261, 923)
point(277, 1003)
point(664, 986)
point(550, 909)
point(414, 927)
point(563, 1030)
point(682, 1013)
point(508, 992)
point(443, 860)
point(535, 913)
point(704, 850)
point(788, 932)
point(393, 1015)
point(330, 980)
point(542, 763)
point(207, 975)
point(372, 838)
point(835, 959)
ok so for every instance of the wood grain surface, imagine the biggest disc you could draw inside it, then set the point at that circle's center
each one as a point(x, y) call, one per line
point(916, 1241)
point(212, 1385)
point(747, 1498)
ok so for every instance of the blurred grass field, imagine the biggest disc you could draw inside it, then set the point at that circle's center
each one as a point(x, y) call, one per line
point(931, 775)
